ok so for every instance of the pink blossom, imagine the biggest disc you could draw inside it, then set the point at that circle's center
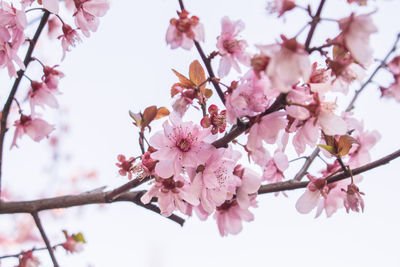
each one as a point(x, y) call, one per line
point(181, 144)
point(306, 135)
point(214, 182)
point(281, 6)
point(392, 91)
point(74, 243)
point(125, 166)
point(53, 27)
point(173, 193)
point(51, 5)
point(274, 168)
point(231, 49)
point(51, 77)
point(251, 96)
point(8, 55)
point(288, 63)
point(182, 31)
point(35, 128)
point(68, 39)
point(28, 260)
point(355, 33)
point(230, 215)
point(87, 14)
point(216, 120)
point(41, 95)
point(267, 129)
point(316, 189)
point(394, 66)
point(360, 154)
point(250, 183)
point(353, 199)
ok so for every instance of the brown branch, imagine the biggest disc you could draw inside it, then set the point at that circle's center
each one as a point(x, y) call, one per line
point(100, 197)
point(293, 184)
point(306, 165)
point(315, 20)
point(45, 239)
point(114, 194)
point(7, 105)
point(240, 128)
point(382, 64)
point(69, 201)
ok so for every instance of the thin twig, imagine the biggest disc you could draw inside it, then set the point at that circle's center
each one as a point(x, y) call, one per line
point(382, 64)
point(315, 20)
point(33, 249)
point(294, 184)
point(114, 194)
point(306, 165)
point(20, 73)
point(45, 239)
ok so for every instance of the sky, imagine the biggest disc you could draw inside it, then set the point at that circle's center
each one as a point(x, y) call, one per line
point(126, 65)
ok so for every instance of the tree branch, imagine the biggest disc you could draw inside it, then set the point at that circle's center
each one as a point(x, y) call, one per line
point(315, 20)
point(279, 103)
point(44, 236)
point(382, 64)
point(83, 199)
point(294, 184)
point(7, 105)
point(23, 252)
point(100, 197)
point(306, 165)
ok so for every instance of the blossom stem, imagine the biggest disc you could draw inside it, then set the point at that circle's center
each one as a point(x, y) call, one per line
point(20, 73)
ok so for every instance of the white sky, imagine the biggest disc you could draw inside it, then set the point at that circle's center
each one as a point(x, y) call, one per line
point(126, 66)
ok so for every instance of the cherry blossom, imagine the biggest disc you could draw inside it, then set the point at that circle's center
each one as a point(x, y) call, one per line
point(28, 260)
point(35, 128)
point(41, 95)
point(356, 31)
point(230, 215)
point(281, 6)
point(87, 14)
point(125, 166)
point(74, 243)
point(182, 31)
point(68, 39)
point(51, 5)
point(181, 144)
point(231, 49)
point(216, 120)
point(353, 199)
point(267, 129)
point(250, 183)
point(213, 182)
point(288, 63)
point(172, 193)
point(51, 77)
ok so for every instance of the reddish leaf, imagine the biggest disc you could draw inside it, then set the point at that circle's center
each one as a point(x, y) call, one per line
point(197, 75)
point(345, 143)
point(185, 82)
point(161, 112)
point(148, 115)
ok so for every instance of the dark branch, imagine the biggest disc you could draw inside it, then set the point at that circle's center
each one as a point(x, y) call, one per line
point(293, 184)
point(315, 20)
point(45, 239)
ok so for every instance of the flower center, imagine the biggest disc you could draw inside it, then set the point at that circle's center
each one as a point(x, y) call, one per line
point(183, 144)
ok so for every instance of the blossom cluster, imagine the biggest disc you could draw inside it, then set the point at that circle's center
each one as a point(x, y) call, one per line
point(282, 98)
point(42, 93)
